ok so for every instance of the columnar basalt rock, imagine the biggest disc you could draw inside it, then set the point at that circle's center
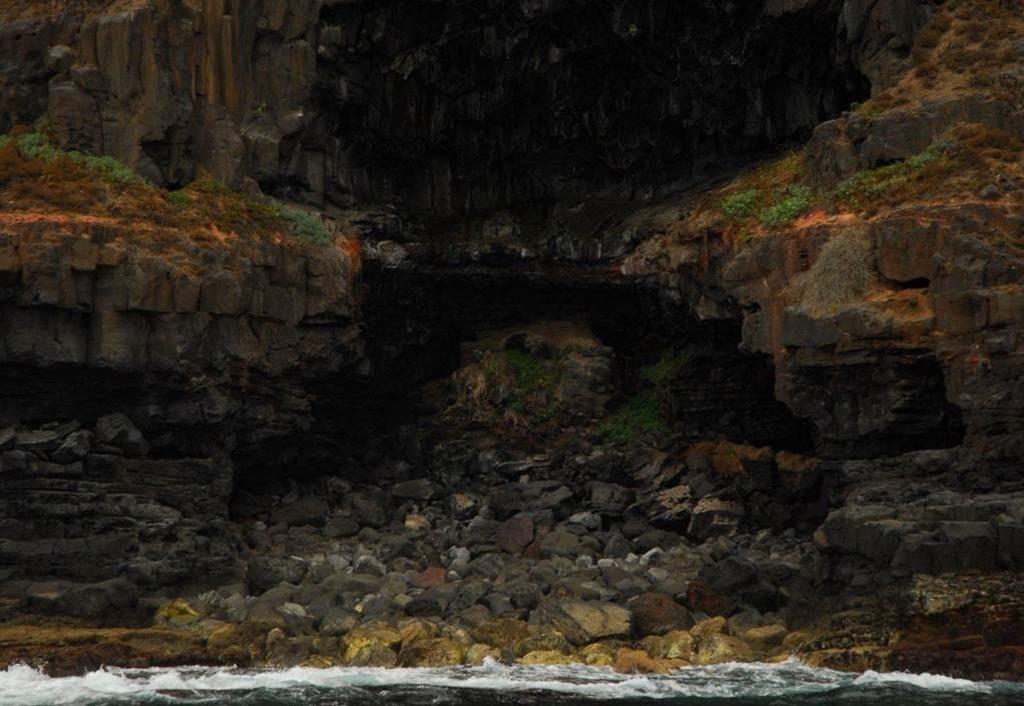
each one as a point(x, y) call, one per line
point(479, 106)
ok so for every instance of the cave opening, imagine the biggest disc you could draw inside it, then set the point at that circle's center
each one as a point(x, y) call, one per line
point(422, 326)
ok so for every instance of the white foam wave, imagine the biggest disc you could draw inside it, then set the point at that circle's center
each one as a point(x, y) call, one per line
point(25, 686)
point(933, 682)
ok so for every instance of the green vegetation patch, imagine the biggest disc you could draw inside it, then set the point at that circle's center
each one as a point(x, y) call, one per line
point(864, 187)
point(108, 168)
point(796, 202)
point(642, 417)
point(742, 205)
point(646, 415)
point(35, 145)
point(305, 225)
point(536, 381)
point(179, 198)
point(53, 175)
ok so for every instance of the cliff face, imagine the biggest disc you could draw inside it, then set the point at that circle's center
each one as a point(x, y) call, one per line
point(580, 336)
point(449, 109)
point(213, 353)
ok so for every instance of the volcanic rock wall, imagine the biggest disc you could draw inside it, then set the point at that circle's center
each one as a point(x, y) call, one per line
point(449, 108)
point(453, 111)
point(211, 354)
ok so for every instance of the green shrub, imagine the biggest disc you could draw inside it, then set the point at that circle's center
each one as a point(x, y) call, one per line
point(35, 145)
point(108, 168)
point(179, 198)
point(531, 374)
point(864, 187)
point(742, 205)
point(641, 417)
point(646, 415)
point(797, 201)
point(208, 184)
point(933, 154)
point(304, 225)
point(535, 381)
point(842, 272)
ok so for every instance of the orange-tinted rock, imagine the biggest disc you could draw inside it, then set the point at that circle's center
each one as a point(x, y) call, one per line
point(702, 597)
point(428, 578)
point(658, 614)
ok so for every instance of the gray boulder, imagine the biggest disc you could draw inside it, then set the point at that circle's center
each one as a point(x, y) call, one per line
point(117, 430)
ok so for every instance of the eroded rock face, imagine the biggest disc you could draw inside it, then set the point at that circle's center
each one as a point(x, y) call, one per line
point(445, 107)
point(842, 147)
point(98, 513)
point(159, 370)
point(222, 383)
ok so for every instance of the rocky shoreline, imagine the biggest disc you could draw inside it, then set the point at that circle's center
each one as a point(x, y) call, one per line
point(531, 560)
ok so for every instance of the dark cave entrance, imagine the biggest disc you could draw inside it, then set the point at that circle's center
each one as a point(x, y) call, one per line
point(418, 320)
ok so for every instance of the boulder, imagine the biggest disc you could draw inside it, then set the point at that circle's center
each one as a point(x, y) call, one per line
point(658, 614)
point(588, 520)
point(546, 658)
point(432, 652)
point(338, 622)
point(428, 578)
point(583, 622)
point(609, 498)
point(177, 614)
point(514, 534)
point(370, 507)
point(309, 510)
point(534, 496)
point(425, 605)
point(713, 517)
point(600, 654)
point(74, 447)
point(371, 646)
point(718, 648)
point(677, 644)
point(478, 653)
point(117, 430)
point(766, 636)
point(700, 596)
point(265, 572)
point(501, 632)
point(38, 442)
point(560, 543)
point(341, 527)
point(97, 600)
point(709, 626)
point(418, 489)
point(543, 642)
point(631, 661)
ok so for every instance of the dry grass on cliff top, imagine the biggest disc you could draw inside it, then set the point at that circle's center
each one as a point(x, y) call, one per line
point(39, 183)
point(956, 170)
point(967, 46)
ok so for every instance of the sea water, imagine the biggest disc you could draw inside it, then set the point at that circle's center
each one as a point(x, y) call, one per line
point(494, 684)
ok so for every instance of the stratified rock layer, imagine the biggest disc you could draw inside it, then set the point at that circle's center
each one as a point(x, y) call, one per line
point(207, 355)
